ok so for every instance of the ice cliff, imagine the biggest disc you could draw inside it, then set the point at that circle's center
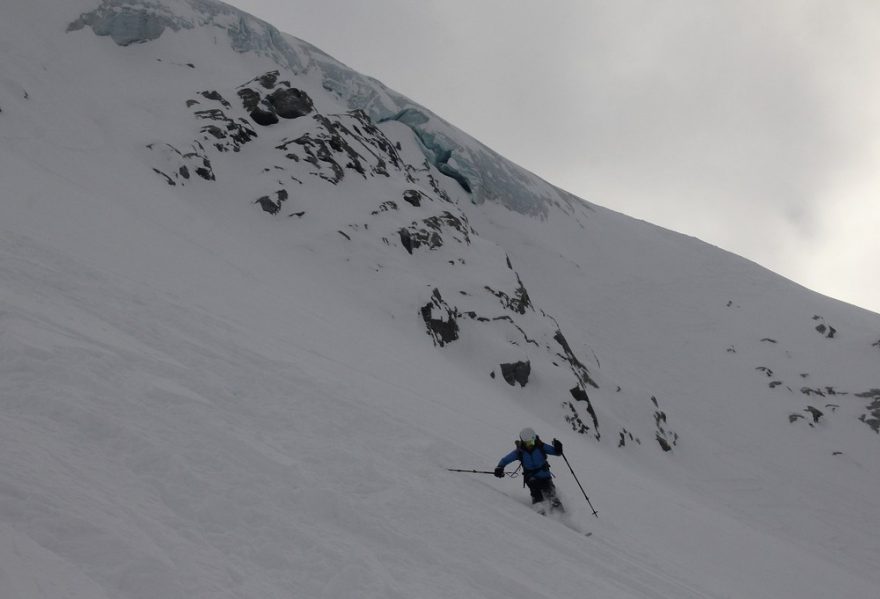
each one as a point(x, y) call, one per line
point(482, 173)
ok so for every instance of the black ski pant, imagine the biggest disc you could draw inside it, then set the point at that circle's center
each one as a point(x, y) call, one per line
point(541, 487)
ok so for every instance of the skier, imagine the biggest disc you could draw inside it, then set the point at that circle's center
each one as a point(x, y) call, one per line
point(532, 453)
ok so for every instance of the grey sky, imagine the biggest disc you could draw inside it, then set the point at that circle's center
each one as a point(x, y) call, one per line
point(752, 125)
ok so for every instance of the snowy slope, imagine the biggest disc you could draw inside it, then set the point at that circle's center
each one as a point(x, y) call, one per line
point(249, 382)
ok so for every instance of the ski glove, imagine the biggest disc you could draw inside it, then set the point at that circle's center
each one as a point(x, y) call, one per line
point(499, 472)
point(557, 445)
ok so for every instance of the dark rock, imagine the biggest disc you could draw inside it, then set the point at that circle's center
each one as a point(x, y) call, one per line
point(263, 117)
point(417, 238)
point(626, 435)
point(385, 207)
point(168, 179)
point(576, 422)
point(232, 133)
point(269, 79)
point(406, 240)
point(413, 196)
point(194, 161)
point(268, 205)
point(872, 417)
point(273, 206)
point(520, 301)
point(214, 131)
point(206, 172)
point(583, 377)
point(824, 328)
point(443, 329)
point(213, 114)
point(249, 98)
point(240, 133)
point(873, 422)
point(666, 438)
point(214, 95)
point(664, 444)
point(290, 103)
point(577, 366)
point(580, 394)
point(330, 147)
point(435, 185)
point(516, 372)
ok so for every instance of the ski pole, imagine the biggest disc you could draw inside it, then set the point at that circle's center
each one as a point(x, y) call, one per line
point(510, 474)
point(595, 513)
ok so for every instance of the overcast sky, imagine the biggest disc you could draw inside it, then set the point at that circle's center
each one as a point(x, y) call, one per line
point(751, 124)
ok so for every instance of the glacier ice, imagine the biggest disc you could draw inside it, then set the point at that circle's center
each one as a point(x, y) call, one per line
point(127, 24)
point(481, 172)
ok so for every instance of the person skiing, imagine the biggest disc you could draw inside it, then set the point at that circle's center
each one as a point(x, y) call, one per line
point(532, 454)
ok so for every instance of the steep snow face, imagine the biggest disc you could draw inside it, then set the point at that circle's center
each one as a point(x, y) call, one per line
point(518, 293)
point(254, 304)
point(292, 140)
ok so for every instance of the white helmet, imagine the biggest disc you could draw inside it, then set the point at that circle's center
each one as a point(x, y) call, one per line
point(528, 436)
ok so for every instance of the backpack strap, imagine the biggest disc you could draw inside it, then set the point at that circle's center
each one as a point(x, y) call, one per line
point(528, 473)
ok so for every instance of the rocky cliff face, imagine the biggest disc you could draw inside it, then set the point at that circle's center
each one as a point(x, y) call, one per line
point(300, 146)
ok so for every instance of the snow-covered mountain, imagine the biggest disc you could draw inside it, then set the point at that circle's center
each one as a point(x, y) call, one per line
point(254, 304)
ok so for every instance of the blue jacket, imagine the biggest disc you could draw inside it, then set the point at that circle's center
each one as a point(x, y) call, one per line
point(534, 462)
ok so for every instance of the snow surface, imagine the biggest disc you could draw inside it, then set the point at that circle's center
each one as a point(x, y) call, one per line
point(198, 399)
